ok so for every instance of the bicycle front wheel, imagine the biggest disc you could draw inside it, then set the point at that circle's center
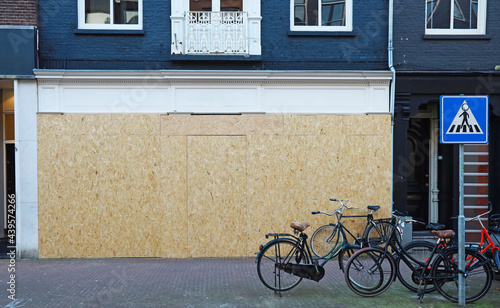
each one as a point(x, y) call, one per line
point(326, 239)
point(478, 275)
point(370, 272)
point(272, 261)
point(345, 254)
point(413, 276)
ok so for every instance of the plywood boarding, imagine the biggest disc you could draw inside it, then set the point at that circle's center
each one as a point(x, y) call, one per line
point(227, 125)
point(182, 186)
point(217, 214)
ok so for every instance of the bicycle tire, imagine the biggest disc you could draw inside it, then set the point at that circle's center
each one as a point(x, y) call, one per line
point(370, 272)
point(271, 261)
point(378, 234)
point(325, 239)
point(344, 256)
point(477, 281)
point(421, 251)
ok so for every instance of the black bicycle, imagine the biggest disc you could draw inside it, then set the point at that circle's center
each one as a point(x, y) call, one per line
point(328, 241)
point(284, 261)
point(371, 271)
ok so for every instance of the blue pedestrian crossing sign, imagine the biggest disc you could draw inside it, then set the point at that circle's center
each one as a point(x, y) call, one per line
point(464, 119)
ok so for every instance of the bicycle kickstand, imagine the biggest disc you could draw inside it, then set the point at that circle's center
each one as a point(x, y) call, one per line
point(421, 292)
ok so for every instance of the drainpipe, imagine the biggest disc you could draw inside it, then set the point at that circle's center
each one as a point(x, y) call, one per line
point(392, 95)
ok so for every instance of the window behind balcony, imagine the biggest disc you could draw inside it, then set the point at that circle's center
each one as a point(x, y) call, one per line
point(224, 5)
point(110, 14)
point(455, 16)
point(321, 15)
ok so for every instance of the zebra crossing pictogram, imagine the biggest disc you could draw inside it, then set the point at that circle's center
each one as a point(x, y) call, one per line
point(464, 122)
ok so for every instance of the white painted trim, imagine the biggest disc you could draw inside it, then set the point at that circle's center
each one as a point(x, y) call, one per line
point(25, 107)
point(213, 91)
point(346, 28)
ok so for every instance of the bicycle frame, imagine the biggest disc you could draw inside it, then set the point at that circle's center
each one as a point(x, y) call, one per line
point(486, 238)
point(339, 213)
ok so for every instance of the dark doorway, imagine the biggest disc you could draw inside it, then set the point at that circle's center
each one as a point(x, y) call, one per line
point(418, 171)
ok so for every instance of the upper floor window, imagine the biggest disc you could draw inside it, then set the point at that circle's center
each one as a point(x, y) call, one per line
point(216, 5)
point(455, 17)
point(110, 14)
point(321, 15)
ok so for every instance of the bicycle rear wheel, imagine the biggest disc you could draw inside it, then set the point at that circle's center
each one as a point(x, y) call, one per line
point(326, 239)
point(378, 234)
point(478, 279)
point(272, 261)
point(410, 276)
point(370, 271)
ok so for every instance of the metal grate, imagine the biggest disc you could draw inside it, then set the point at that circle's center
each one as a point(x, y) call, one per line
point(475, 188)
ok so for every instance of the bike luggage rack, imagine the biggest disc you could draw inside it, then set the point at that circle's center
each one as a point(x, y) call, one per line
point(278, 235)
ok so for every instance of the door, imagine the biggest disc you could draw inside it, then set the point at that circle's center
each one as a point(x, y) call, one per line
point(418, 171)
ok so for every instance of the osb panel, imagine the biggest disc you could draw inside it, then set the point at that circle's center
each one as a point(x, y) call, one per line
point(174, 239)
point(67, 195)
point(112, 190)
point(290, 176)
point(98, 124)
point(221, 124)
point(374, 124)
point(217, 222)
point(313, 124)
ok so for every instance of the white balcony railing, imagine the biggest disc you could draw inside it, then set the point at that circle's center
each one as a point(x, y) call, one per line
point(216, 33)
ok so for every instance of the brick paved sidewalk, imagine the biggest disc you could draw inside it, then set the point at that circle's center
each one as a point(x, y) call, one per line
point(187, 283)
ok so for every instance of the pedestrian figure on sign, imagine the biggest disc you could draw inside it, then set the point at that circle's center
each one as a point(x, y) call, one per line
point(465, 114)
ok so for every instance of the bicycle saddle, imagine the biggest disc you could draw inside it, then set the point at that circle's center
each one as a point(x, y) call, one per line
point(443, 233)
point(300, 226)
point(373, 207)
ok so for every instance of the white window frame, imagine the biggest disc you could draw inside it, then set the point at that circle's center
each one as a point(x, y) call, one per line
point(346, 28)
point(481, 22)
point(83, 25)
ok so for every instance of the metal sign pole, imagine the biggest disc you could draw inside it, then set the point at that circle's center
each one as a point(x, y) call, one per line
point(461, 229)
point(464, 120)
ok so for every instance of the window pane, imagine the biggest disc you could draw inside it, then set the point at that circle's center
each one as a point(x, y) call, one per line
point(332, 13)
point(300, 16)
point(9, 127)
point(231, 5)
point(97, 12)
point(310, 13)
point(438, 14)
point(200, 5)
point(465, 14)
point(126, 11)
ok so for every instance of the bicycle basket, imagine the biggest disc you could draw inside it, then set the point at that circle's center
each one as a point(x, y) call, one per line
point(494, 228)
point(494, 224)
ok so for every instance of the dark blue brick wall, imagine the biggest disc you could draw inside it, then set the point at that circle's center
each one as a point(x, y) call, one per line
point(61, 48)
point(412, 52)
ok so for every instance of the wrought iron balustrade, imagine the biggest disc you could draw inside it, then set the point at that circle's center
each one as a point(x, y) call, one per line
point(216, 33)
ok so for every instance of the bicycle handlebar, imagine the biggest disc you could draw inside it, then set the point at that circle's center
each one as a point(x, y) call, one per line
point(340, 209)
point(473, 218)
point(407, 220)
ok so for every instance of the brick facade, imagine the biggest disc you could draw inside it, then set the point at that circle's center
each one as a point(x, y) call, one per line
point(365, 48)
point(18, 12)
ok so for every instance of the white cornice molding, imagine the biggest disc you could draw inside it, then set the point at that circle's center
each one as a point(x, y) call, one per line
point(213, 91)
point(271, 77)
